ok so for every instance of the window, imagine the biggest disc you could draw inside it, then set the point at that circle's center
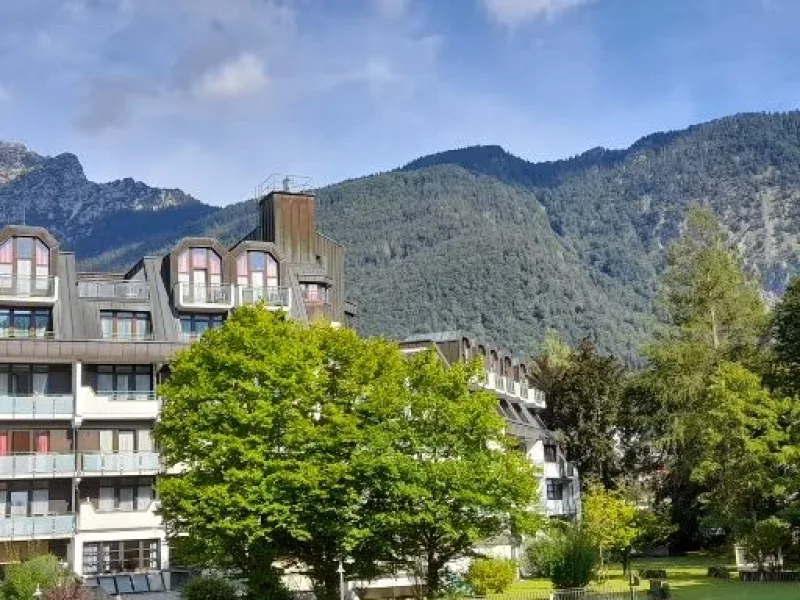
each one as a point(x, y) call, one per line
point(193, 326)
point(36, 380)
point(125, 325)
point(555, 489)
point(200, 267)
point(125, 381)
point(25, 265)
point(35, 441)
point(550, 453)
point(111, 441)
point(125, 495)
point(28, 499)
point(121, 556)
point(314, 292)
point(23, 323)
point(257, 269)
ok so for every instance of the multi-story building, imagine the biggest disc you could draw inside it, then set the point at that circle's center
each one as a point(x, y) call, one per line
point(81, 355)
point(519, 404)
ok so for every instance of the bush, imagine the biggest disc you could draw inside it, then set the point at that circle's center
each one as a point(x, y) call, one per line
point(765, 543)
point(719, 572)
point(43, 572)
point(491, 575)
point(209, 588)
point(575, 560)
point(540, 555)
point(69, 591)
point(653, 574)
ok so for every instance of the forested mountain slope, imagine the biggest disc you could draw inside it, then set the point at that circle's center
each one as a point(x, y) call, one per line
point(479, 239)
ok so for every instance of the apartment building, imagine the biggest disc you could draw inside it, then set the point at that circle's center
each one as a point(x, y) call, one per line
point(81, 355)
point(519, 404)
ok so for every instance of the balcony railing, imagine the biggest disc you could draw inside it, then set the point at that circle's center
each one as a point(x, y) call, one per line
point(36, 290)
point(26, 334)
point(56, 406)
point(42, 527)
point(129, 337)
point(207, 296)
point(37, 465)
point(127, 395)
point(273, 297)
point(119, 462)
point(114, 290)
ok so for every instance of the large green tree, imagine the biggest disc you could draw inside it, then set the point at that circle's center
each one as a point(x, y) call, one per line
point(715, 314)
point(583, 400)
point(309, 445)
point(265, 415)
point(785, 329)
point(455, 479)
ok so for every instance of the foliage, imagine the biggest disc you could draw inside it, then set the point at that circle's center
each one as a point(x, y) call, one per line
point(42, 572)
point(491, 575)
point(72, 590)
point(575, 559)
point(540, 554)
point(747, 461)
point(313, 444)
point(209, 588)
point(268, 414)
point(449, 477)
point(785, 329)
point(583, 402)
point(719, 572)
point(610, 521)
point(767, 540)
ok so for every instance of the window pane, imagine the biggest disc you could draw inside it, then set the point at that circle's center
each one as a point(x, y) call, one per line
point(257, 260)
point(42, 323)
point(183, 262)
point(107, 325)
point(143, 382)
point(41, 502)
point(214, 263)
point(106, 500)
point(145, 440)
point(7, 252)
point(144, 496)
point(186, 325)
point(199, 258)
point(25, 248)
point(272, 266)
point(21, 322)
point(126, 499)
point(105, 382)
point(42, 254)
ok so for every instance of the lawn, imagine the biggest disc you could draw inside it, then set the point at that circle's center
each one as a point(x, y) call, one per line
point(687, 579)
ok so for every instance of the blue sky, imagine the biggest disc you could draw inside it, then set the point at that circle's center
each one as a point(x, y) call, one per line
point(211, 96)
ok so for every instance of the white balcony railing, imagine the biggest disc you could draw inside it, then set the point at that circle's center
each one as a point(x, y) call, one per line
point(92, 519)
point(37, 527)
point(272, 297)
point(114, 290)
point(28, 290)
point(24, 466)
point(131, 404)
point(37, 407)
point(102, 463)
point(206, 296)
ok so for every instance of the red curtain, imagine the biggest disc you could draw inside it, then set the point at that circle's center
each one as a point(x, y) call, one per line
point(42, 442)
point(3, 443)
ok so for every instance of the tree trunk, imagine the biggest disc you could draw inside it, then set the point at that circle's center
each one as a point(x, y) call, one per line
point(325, 579)
point(433, 577)
point(263, 580)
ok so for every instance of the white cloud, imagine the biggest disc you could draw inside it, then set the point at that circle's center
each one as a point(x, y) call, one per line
point(242, 76)
point(392, 9)
point(512, 12)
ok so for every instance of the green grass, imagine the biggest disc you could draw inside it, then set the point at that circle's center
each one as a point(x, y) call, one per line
point(687, 580)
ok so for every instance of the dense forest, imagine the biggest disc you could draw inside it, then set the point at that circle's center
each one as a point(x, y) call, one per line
point(481, 240)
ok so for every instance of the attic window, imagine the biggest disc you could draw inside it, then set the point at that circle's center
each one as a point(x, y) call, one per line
point(26, 258)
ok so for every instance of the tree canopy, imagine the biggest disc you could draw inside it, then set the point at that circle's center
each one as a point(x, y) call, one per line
point(310, 445)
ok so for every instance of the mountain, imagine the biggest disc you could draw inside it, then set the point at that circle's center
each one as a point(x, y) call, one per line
point(54, 192)
point(479, 239)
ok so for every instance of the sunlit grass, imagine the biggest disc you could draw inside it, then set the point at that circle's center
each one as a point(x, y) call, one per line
point(687, 580)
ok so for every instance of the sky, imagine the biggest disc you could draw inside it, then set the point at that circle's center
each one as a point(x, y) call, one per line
point(212, 96)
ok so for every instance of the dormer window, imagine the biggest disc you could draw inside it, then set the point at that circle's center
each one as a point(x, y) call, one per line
point(25, 260)
point(257, 269)
point(314, 293)
point(200, 267)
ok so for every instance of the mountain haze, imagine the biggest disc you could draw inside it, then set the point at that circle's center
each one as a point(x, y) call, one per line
point(477, 238)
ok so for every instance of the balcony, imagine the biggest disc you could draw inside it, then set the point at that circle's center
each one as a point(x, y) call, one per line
point(92, 519)
point(534, 398)
point(38, 527)
point(27, 466)
point(209, 297)
point(130, 291)
point(274, 298)
point(319, 311)
point(28, 291)
point(116, 404)
point(120, 463)
point(55, 406)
